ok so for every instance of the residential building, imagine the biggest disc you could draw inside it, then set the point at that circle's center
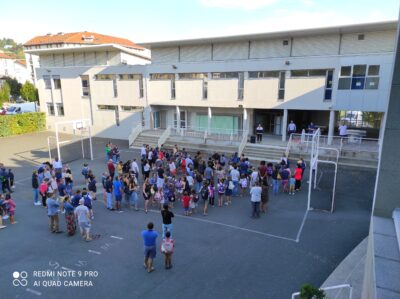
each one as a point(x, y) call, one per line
point(13, 68)
point(72, 85)
point(228, 83)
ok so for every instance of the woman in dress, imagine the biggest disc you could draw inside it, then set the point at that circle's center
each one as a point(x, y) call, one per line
point(69, 216)
point(146, 193)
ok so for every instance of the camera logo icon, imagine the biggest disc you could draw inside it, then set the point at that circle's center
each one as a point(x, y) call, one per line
point(20, 278)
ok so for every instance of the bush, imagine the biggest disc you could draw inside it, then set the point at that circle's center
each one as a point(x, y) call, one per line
point(22, 123)
point(310, 292)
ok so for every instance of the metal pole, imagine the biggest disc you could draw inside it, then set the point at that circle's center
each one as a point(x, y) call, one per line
point(83, 150)
point(310, 176)
point(90, 142)
point(58, 144)
point(333, 192)
point(48, 145)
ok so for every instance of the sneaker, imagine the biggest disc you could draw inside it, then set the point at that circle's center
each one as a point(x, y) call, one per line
point(5, 217)
point(226, 204)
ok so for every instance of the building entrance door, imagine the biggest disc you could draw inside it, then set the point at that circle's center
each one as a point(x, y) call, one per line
point(270, 121)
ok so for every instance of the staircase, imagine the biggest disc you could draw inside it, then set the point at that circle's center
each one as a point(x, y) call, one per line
point(192, 145)
point(259, 152)
point(149, 137)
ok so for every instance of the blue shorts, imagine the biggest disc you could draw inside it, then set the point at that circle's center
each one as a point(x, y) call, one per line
point(118, 197)
point(150, 252)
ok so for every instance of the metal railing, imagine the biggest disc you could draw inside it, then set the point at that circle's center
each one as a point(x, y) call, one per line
point(135, 133)
point(350, 143)
point(340, 286)
point(164, 136)
point(217, 134)
point(243, 142)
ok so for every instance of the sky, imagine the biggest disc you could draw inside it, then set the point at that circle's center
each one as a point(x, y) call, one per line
point(158, 20)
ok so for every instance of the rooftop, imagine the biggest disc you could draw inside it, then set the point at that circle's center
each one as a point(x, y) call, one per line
point(356, 28)
point(84, 38)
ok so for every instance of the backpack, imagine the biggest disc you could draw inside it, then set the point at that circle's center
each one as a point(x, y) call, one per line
point(167, 246)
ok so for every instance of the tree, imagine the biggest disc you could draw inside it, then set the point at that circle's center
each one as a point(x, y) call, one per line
point(29, 92)
point(15, 87)
point(4, 93)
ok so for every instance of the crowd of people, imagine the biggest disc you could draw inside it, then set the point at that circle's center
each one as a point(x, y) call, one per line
point(163, 179)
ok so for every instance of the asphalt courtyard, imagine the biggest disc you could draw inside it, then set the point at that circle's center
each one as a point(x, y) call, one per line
point(224, 255)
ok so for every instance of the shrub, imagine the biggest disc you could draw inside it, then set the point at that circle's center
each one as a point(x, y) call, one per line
point(22, 123)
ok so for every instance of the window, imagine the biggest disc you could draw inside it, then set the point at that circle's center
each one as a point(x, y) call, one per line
point(57, 82)
point(50, 109)
point(130, 108)
point(60, 109)
point(361, 37)
point(357, 77)
point(308, 73)
point(129, 76)
point(188, 76)
point(141, 86)
point(47, 82)
point(241, 86)
point(281, 89)
point(162, 76)
point(85, 86)
point(205, 88)
point(328, 85)
point(227, 75)
point(106, 107)
point(115, 87)
point(285, 42)
point(173, 93)
point(264, 74)
point(104, 77)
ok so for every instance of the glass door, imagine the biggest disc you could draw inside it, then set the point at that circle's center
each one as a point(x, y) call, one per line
point(156, 120)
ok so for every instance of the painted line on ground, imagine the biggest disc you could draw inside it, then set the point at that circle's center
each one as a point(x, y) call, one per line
point(95, 252)
point(116, 237)
point(37, 293)
point(301, 226)
point(233, 227)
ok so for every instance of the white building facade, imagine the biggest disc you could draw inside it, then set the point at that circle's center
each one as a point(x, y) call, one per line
point(13, 68)
point(228, 83)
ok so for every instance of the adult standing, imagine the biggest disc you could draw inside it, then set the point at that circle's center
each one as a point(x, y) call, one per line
point(255, 199)
point(150, 250)
point(109, 189)
point(52, 211)
point(259, 133)
point(343, 130)
point(83, 215)
point(111, 168)
point(264, 195)
point(69, 216)
point(146, 191)
point(235, 175)
point(57, 165)
point(167, 220)
point(311, 128)
point(35, 187)
point(291, 128)
point(117, 193)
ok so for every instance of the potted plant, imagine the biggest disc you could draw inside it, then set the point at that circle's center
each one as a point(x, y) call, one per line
point(310, 292)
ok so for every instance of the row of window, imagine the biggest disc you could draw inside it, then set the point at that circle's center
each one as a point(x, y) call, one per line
point(359, 76)
point(51, 109)
point(121, 108)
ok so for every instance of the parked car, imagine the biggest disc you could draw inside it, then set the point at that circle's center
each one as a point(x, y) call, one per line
point(22, 108)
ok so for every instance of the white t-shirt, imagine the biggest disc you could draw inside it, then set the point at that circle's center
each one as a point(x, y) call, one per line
point(143, 151)
point(255, 193)
point(146, 167)
point(57, 164)
point(190, 180)
point(135, 167)
point(172, 166)
point(235, 175)
point(81, 213)
point(150, 156)
point(343, 130)
point(254, 176)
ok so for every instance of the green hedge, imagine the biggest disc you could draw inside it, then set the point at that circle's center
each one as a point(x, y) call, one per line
point(22, 123)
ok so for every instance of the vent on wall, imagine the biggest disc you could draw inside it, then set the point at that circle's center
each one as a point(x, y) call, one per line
point(285, 42)
point(361, 37)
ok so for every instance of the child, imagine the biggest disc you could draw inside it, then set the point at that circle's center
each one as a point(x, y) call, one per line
point(85, 172)
point(221, 192)
point(167, 248)
point(120, 167)
point(204, 195)
point(159, 197)
point(292, 182)
point(2, 211)
point(194, 199)
point(11, 208)
point(243, 184)
point(186, 203)
point(211, 193)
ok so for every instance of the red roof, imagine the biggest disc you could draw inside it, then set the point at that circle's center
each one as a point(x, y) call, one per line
point(85, 38)
point(5, 56)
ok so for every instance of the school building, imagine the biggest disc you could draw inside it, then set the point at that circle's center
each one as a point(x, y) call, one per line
point(221, 84)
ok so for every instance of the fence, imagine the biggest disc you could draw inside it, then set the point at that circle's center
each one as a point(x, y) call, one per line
point(217, 134)
point(328, 291)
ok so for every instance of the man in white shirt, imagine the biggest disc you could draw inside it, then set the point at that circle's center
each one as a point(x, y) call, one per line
point(135, 168)
point(255, 199)
point(291, 127)
point(143, 152)
point(83, 216)
point(343, 130)
point(57, 164)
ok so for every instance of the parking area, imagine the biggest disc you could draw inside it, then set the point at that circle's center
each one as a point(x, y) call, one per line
point(226, 254)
